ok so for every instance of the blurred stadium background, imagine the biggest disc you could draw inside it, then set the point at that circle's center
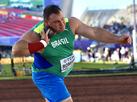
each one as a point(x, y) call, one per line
point(18, 16)
point(92, 58)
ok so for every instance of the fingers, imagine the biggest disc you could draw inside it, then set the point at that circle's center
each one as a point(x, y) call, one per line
point(126, 39)
point(42, 34)
point(47, 32)
point(129, 40)
point(45, 36)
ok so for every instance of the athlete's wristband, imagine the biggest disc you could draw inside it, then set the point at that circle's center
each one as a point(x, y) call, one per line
point(43, 42)
point(36, 46)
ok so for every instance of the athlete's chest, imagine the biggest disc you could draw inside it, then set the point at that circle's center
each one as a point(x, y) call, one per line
point(60, 45)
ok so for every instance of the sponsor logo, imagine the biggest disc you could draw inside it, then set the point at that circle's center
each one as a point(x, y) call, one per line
point(67, 63)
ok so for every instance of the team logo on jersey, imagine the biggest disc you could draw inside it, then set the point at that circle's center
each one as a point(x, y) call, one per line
point(59, 42)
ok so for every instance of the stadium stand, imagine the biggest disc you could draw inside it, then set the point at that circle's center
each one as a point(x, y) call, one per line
point(102, 17)
point(16, 27)
point(13, 24)
point(97, 17)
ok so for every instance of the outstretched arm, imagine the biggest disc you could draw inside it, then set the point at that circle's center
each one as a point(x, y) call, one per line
point(99, 33)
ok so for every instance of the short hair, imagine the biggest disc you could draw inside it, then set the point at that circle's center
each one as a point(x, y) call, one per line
point(50, 10)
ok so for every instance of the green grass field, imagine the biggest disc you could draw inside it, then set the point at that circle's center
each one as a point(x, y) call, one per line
point(7, 72)
point(93, 66)
point(8, 75)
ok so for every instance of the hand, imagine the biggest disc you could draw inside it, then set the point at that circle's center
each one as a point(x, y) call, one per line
point(125, 39)
point(44, 36)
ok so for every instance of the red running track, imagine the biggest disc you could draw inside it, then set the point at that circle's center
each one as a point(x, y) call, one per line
point(83, 89)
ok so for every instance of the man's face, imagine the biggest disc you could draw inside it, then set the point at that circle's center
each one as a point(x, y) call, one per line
point(56, 22)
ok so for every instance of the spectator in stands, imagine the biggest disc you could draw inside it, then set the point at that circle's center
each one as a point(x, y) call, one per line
point(119, 28)
point(115, 55)
point(105, 54)
point(11, 16)
point(53, 58)
point(122, 52)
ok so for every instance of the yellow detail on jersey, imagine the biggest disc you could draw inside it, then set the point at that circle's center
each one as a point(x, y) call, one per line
point(66, 20)
point(40, 26)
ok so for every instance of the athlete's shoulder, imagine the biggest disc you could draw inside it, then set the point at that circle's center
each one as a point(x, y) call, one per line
point(38, 28)
point(74, 19)
point(74, 23)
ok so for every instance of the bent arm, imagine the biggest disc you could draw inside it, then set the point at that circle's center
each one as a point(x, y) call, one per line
point(20, 48)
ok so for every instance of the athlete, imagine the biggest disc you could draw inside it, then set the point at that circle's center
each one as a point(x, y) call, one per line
point(52, 42)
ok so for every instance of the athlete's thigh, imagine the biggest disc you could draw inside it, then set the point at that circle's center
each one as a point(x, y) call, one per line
point(51, 87)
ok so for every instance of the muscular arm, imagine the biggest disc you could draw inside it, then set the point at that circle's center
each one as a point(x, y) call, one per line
point(98, 34)
point(20, 48)
point(95, 33)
